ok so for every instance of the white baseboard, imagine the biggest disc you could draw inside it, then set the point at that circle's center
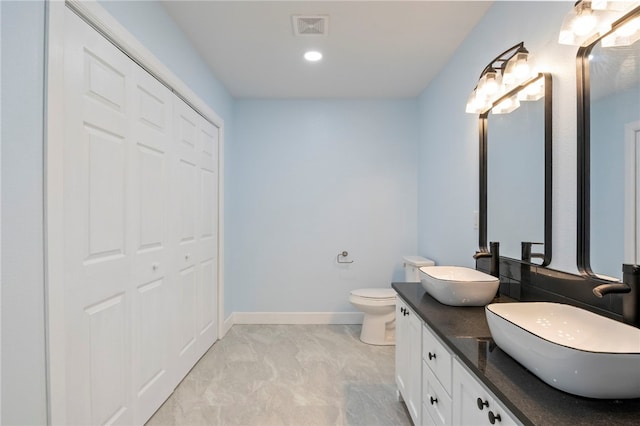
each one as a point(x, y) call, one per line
point(294, 318)
point(226, 325)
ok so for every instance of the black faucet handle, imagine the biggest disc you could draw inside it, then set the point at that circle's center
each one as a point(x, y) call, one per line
point(494, 247)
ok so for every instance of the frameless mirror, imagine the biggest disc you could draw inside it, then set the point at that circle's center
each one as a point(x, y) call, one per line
point(609, 154)
point(516, 148)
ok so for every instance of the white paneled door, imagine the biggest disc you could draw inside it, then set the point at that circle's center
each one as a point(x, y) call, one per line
point(141, 234)
point(149, 152)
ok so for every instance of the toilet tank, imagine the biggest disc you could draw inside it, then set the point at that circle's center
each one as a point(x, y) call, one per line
point(412, 265)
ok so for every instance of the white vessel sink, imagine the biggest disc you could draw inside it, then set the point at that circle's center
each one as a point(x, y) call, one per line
point(458, 286)
point(569, 348)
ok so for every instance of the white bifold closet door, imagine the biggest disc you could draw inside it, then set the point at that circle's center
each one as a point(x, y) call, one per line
point(195, 186)
point(141, 234)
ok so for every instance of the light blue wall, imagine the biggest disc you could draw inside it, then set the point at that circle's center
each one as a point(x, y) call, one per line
point(23, 346)
point(308, 179)
point(448, 151)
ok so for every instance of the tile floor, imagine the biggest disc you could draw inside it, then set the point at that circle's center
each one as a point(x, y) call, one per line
point(288, 375)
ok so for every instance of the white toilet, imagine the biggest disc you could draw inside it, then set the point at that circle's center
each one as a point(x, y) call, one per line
point(379, 305)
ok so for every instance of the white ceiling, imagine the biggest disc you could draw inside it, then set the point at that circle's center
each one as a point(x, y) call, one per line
point(374, 49)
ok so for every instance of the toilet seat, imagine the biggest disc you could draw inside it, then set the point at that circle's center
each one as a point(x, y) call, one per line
point(375, 293)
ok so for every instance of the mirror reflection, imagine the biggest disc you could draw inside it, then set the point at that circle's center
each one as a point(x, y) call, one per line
point(515, 172)
point(516, 181)
point(614, 133)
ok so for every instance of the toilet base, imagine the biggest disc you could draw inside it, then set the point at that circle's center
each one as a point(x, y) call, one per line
point(379, 330)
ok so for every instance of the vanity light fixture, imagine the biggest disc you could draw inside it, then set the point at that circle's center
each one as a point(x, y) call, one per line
point(506, 71)
point(590, 20)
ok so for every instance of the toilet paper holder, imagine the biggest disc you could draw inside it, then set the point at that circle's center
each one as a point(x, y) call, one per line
point(343, 255)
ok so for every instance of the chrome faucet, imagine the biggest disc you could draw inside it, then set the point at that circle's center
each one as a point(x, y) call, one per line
point(494, 254)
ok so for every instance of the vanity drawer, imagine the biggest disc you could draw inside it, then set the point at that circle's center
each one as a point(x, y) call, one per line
point(436, 357)
point(435, 400)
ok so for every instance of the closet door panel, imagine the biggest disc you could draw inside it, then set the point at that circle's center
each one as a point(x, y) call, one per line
point(186, 144)
point(209, 135)
point(207, 304)
point(152, 127)
point(97, 243)
point(187, 180)
point(184, 192)
point(208, 235)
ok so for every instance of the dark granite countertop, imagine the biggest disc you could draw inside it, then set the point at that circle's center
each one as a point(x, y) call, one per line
point(465, 331)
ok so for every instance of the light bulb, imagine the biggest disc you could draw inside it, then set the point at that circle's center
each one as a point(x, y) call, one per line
point(491, 84)
point(476, 104)
point(584, 23)
point(521, 70)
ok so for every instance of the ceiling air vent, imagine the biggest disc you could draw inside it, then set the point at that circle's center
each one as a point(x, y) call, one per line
point(310, 25)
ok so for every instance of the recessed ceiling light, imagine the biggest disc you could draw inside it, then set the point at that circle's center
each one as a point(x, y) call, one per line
point(313, 56)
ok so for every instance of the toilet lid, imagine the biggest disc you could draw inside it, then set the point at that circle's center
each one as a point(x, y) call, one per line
point(375, 293)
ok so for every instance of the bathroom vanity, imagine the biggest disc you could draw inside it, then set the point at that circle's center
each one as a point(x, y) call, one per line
point(450, 371)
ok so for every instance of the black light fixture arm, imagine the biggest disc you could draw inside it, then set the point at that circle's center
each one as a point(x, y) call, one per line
point(503, 58)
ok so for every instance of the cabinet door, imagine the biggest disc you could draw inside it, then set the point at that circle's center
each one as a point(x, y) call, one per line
point(414, 379)
point(402, 349)
point(473, 404)
point(409, 359)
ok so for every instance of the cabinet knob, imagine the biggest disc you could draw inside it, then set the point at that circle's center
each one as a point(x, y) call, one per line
point(481, 403)
point(431, 356)
point(402, 309)
point(493, 417)
point(406, 312)
point(187, 256)
point(433, 400)
point(155, 266)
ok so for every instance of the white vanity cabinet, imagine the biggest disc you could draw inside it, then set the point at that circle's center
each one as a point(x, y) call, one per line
point(473, 403)
point(434, 384)
point(436, 380)
point(408, 359)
